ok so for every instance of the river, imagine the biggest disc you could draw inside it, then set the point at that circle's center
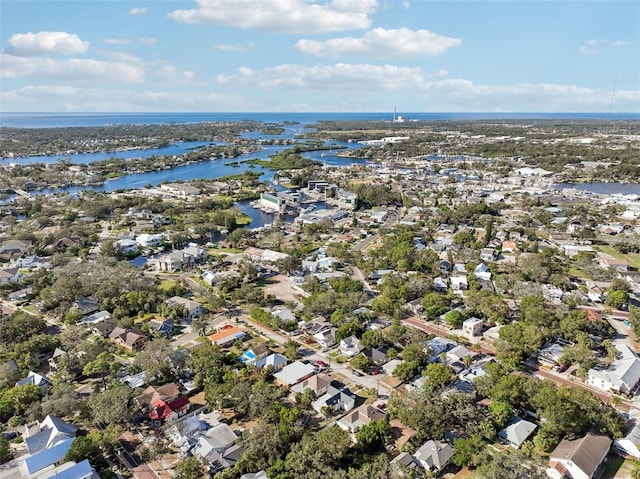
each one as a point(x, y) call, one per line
point(605, 188)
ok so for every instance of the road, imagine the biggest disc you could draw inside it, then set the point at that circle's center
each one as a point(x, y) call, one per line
point(438, 331)
point(343, 369)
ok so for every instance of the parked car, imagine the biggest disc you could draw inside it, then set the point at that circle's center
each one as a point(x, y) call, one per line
point(322, 364)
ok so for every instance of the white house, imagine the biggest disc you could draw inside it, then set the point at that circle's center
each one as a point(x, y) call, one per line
point(350, 346)
point(472, 327)
point(149, 240)
point(127, 246)
point(621, 377)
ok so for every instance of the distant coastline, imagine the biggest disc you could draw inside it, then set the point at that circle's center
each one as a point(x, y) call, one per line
point(63, 119)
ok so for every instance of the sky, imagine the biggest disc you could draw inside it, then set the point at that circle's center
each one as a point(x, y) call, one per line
point(319, 56)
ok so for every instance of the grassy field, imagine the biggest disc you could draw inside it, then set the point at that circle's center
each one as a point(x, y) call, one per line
point(167, 284)
point(632, 259)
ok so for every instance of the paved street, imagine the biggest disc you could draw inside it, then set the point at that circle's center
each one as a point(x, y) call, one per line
point(343, 369)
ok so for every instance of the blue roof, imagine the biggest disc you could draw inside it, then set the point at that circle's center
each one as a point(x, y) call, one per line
point(81, 470)
point(138, 262)
point(47, 457)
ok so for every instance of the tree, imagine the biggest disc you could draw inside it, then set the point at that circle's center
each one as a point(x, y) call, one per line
point(5, 450)
point(438, 375)
point(372, 338)
point(111, 406)
point(617, 299)
point(190, 467)
point(407, 370)
point(160, 361)
point(100, 366)
point(360, 361)
point(291, 350)
point(374, 436)
point(511, 464)
point(434, 305)
point(83, 448)
point(468, 451)
point(454, 319)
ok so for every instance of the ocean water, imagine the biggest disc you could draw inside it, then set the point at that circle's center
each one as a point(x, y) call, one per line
point(53, 120)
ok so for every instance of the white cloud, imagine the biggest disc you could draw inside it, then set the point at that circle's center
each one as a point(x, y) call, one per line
point(588, 50)
point(235, 47)
point(122, 57)
point(464, 95)
point(338, 77)
point(619, 43)
point(74, 69)
point(117, 41)
point(287, 16)
point(170, 73)
point(47, 43)
point(406, 5)
point(148, 40)
point(138, 11)
point(58, 98)
point(382, 43)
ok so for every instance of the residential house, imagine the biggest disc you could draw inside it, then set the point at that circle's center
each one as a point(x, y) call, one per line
point(127, 246)
point(275, 360)
point(377, 355)
point(432, 456)
point(167, 392)
point(20, 294)
point(284, 316)
point(350, 346)
point(132, 339)
point(623, 375)
point(316, 325)
point(440, 285)
point(161, 327)
point(472, 327)
point(47, 461)
point(86, 305)
point(459, 283)
point(193, 308)
point(437, 346)
point(216, 447)
point(516, 432)
point(340, 400)
point(14, 246)
point(294, 373)
point(326, 338)
point(9, 275)
point(250, 356)
point(361, 416)
point(50, 432)
point(482, 272)
point(168, 411)
point(578, 458)
point(549, 356)
point(227, 335)
point(630, 444)
point(35, 379)
point(96, 318)
point(149, 240)
point(254, 475)
point(318, 383)
point(54, 360)
point(104, 328)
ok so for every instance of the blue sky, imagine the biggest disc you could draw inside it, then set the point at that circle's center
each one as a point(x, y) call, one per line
point(320, 56)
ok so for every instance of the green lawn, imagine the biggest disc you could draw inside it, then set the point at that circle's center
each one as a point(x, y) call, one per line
point(632, 259)
point(167, 284)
